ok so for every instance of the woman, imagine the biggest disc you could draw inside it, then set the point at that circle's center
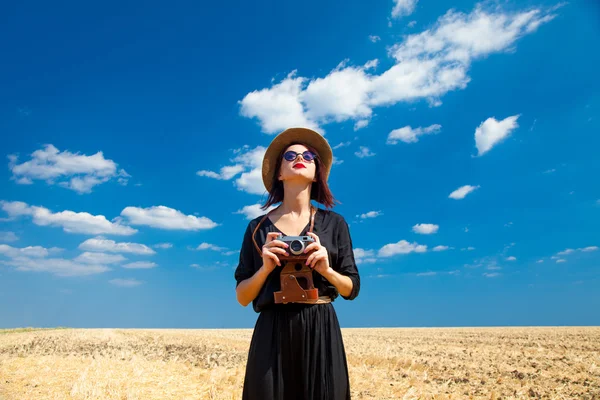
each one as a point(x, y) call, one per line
point(297, 351)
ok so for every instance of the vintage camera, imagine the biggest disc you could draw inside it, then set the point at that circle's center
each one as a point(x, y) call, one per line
point(296, 278)
point(296, 244)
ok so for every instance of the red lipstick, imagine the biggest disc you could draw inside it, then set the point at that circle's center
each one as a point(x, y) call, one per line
point(299, 165)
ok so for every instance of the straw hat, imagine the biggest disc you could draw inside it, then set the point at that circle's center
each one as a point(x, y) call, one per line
point(306, 136)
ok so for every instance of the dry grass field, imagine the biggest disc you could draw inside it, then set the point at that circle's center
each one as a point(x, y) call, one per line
point(428, 363)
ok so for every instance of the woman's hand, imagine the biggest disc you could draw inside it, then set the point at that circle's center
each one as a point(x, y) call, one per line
point(270, 249)
point(319, 259)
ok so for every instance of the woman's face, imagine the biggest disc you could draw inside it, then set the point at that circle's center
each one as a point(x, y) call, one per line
point(299, 169)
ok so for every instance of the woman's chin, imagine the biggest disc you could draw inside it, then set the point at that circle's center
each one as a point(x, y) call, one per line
point(299, 179)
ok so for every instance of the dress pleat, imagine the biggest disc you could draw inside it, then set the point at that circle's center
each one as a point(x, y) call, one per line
point(297, 353)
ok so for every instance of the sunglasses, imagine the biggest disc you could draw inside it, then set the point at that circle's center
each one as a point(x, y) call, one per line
point(307, 155)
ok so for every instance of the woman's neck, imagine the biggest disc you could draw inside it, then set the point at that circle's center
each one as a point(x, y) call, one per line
point(296, 200)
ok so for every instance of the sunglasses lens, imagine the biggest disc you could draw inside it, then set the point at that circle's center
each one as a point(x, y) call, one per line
point(289, 155)
point(308, 156)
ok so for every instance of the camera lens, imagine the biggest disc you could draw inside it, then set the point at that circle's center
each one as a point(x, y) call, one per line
point(296, 246)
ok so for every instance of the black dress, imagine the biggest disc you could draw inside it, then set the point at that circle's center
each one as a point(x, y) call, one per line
point(297, 351)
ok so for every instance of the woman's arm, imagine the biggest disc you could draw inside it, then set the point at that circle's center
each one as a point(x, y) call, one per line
point(249, 281)
point(248, 289)
point(346, 272)
point(342, 283)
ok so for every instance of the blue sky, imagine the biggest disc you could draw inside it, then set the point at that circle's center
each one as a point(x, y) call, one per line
point(465, 138)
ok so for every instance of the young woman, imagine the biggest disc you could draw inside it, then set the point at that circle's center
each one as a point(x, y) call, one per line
point(297, 351)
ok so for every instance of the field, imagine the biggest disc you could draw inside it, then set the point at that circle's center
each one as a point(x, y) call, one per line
point(427, 363)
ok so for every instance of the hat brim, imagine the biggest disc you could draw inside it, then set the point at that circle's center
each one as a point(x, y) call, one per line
point(306, 136)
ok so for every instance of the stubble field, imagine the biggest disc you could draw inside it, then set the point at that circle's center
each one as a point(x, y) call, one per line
point(415, 363)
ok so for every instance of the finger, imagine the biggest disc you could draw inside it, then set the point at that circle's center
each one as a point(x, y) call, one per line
point(278, 243)
point(278, 250)
point(317, 258)
point(272, 236)
point(310, 258)
point(311, 247)
point(312, 235)
point(272, 256)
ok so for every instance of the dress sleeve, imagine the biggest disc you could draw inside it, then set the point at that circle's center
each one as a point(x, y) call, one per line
point(346, 265)
point(245, 268)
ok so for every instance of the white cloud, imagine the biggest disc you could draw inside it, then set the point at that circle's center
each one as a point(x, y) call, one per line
point(341, 95)
point(494, 267)
point(71, 170)
point(379, 276)
point(248, 164)
point(212, 267)
point(208, 246)
point(204, 268)
point(227, 172)
point(401, 247)
point(403, 8)
point(425, 229)
point(163, 245)
point(344, 144)
point(440, 248)
point(56, 266)
point(370, 214)
point(6, 237)
point(559, 256)
point(99, 258)
point(539, 261)
point(511, 258)
point(411, 24)
point(29, 251)
point(361, 124)
point(33, 259)
point(101, 244)
point(364, 152)
point(565, 252)
point(491, 274)
point(70, 221)
point(371, 64)
point(363, 256)
point(410, 135)
point(491, 132)
point(253, 211)
point(374, 38)
point(427, 66)
point(429, 273)
point(251, 182)
point(462, 192)
point(166, 218)
point(125, 282)
point(140, 265)
point(336, 161)
point(278, 107)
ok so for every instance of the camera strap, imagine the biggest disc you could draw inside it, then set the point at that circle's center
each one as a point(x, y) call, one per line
point(313, 211)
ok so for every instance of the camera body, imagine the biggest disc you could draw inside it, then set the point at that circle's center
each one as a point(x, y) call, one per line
point(296, 244)
point(296, 278)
